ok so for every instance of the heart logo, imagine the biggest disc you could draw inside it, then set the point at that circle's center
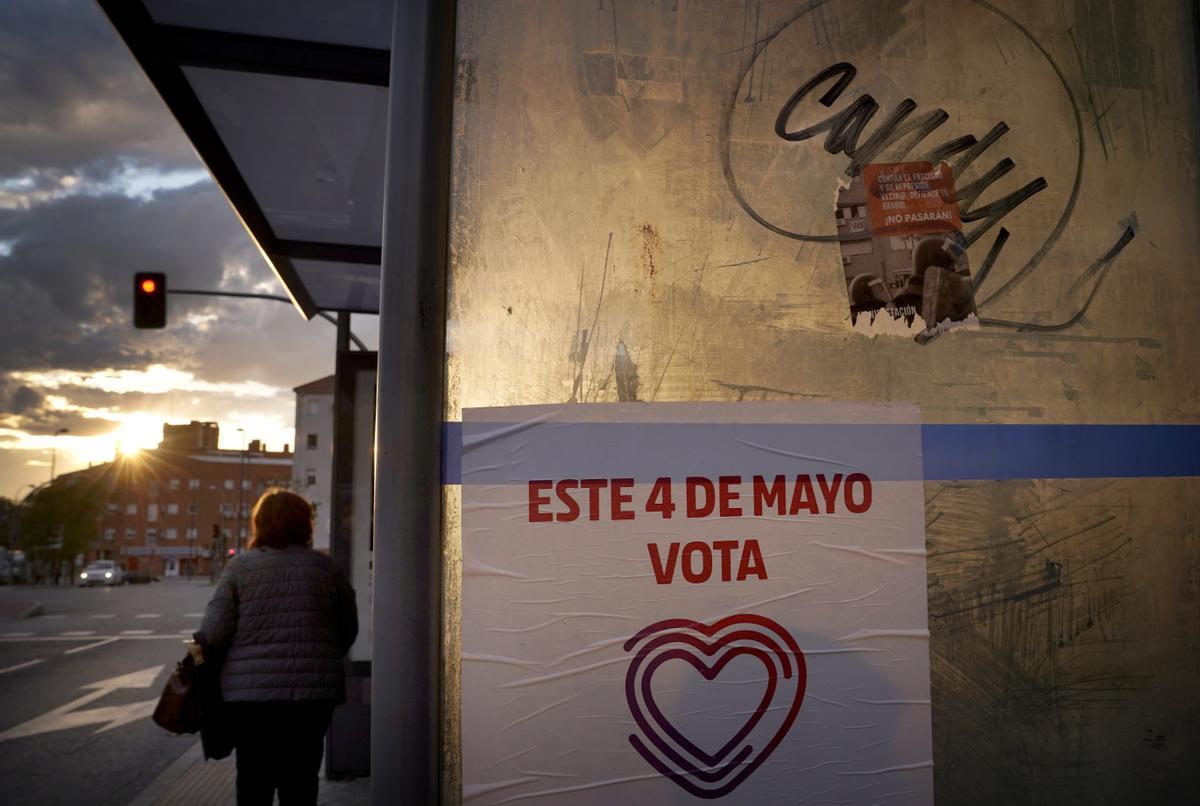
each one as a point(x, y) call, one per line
point(708, 649)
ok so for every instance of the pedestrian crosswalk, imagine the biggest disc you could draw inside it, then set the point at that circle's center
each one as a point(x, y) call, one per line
point(42, 628)
point(24, 665)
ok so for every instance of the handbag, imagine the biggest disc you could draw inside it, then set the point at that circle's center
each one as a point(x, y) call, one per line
point(179, 705)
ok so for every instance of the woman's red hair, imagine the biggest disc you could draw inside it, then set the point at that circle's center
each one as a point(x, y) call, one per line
point(281, 518)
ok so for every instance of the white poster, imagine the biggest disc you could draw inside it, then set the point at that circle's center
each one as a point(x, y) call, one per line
point(670, 603)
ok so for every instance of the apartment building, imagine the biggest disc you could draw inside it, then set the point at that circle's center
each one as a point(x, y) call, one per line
point(171, 509)
point(312, 462)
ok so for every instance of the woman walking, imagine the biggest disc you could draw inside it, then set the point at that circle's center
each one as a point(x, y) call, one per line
point(280, 622)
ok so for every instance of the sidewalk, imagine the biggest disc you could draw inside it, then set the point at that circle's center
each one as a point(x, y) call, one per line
point(192, 781)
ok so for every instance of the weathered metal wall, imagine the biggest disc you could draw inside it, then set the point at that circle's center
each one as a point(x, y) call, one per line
point(628, 225)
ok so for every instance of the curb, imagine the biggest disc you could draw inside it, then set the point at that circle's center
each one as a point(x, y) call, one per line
point(161, 786)
point(35, 609)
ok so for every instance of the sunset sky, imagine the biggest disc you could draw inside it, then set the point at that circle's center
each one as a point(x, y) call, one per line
point(97, 181)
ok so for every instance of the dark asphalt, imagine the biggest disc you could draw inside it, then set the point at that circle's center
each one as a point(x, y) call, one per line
point(89, 764)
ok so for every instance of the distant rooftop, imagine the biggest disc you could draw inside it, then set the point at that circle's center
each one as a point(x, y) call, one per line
point(195, 436)
point(322, 386)
point(202, 437)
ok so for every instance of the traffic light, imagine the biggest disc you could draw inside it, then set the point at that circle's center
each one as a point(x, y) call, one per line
point(149, 299)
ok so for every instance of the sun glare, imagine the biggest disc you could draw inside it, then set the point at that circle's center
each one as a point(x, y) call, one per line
point(137, 433)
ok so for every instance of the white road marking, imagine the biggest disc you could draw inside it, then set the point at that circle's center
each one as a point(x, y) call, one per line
point(53, 615)
point(77, 633)
point(86, 647)
point(149, 615)
point(193, 615)
point(102, 615)
point(24, 665)
point(188, 631)
point(69, 716)
point(137, 632)
point(17, 634)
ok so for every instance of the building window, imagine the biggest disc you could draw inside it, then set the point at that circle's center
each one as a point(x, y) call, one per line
point(130, 533)
point(863, 247)
point(131, 509)
point(246, 484)
point(243, 532)
point(152, 512)
point(173, 484)
point(227, 510)
point(153, 488)
point(314, 408)
point(193, 484)
point(245, 509)
point(228, 484)
point(151, 537)
point(110, 533)
point(191, 533)
point(193, 509)
point(172, 509)
point(312, 441)
point(310, 476)
point(171, 533)
point(113, 507)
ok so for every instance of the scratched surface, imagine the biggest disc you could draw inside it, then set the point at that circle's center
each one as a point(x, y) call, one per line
point(629, 225)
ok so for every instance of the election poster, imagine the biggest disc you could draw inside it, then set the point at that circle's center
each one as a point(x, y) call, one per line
point(676, 603)
point(904, 255)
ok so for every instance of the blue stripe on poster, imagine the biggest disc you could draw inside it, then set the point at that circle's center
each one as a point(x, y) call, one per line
point(968, 451)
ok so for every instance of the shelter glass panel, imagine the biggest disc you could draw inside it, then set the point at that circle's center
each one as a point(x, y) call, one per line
point(310, 151)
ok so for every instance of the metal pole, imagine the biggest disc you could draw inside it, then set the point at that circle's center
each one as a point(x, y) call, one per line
point(54, 450)
point(406, 692)
point(273, 297)
point(343, 333)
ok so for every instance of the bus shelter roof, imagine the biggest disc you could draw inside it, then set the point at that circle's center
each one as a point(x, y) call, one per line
point(286, 103)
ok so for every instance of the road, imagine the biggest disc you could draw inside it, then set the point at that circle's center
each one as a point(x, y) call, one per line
point(77, 684)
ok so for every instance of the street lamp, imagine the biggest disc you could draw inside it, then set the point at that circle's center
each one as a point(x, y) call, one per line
point(54, 450)
point(241, 492)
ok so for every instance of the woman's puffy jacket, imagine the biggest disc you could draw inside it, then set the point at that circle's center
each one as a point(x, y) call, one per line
point(283, 619)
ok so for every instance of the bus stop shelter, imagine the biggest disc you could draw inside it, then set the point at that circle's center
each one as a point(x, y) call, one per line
point(620, 203)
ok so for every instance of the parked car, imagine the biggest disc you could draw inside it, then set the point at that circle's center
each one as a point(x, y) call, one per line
point(101, 572)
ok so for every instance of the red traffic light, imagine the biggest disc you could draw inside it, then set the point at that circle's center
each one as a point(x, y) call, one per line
point(149, 300)
point(232, 552)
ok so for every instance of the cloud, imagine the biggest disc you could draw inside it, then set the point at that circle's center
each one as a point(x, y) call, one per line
point(154, 380)
point(66, 280)
point(22, 400)
point(72, 93)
